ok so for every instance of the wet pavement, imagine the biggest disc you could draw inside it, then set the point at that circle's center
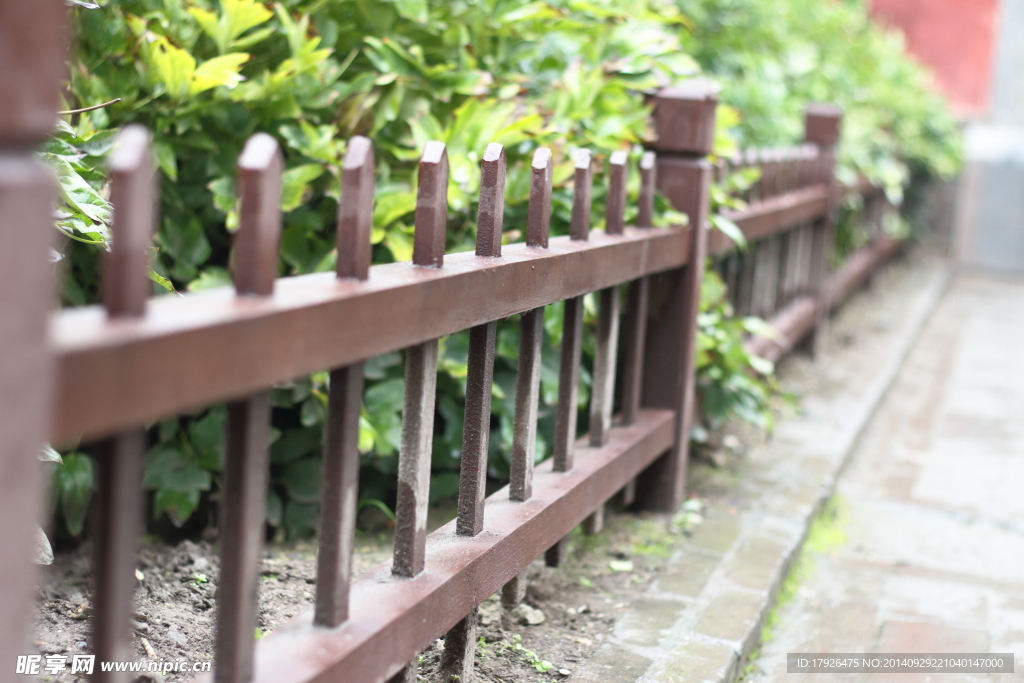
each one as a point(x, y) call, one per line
point(927, 553)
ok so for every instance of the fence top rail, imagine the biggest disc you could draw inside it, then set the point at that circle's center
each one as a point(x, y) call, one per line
point(192, 350)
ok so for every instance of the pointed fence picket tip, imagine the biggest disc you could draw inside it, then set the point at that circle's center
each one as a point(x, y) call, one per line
point(355, 210)
point(648, 174)
point(615, 205)
point(538, 222)
point(126, 286)
point(259, 224)
point(583, 187)
point(491, 215)
point(431, 206)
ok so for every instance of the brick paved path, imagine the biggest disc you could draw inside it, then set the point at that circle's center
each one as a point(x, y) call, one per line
point(931, 507)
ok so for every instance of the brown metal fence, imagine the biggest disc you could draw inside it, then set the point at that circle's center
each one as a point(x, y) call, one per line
point(131, 361)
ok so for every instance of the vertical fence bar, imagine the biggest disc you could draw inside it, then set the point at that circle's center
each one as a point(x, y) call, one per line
point(636, 312)
point(572, 325)
point(821, 127)
point(572, 336)
point(420, 374)
point(246, 467)
point(531, 334)
point(602, 396)
point(126, 287)
point(685, 122)
point(341, 447)
point(460, 641)
point(479, 379)
point(32, 51)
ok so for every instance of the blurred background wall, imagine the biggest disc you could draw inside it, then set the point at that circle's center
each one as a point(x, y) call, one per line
point(975, 50)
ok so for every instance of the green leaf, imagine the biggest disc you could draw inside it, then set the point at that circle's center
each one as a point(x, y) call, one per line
point(729, 229)
point(214, 276)
point(275, 508)
point(75, 480)
point(413, 10)
point(302, 480)
point(172, 66)
point(161, 280)
point(219, 71)
point(295, 183)
point(301, 519)
point(169, 467)
point(166, 159)
point(179, 505)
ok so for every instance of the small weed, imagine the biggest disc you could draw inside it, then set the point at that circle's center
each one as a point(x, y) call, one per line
point(200, 579)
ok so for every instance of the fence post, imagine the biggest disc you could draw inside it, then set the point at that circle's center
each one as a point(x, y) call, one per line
point(32, 52)
point(821, 127)
point(684, 121)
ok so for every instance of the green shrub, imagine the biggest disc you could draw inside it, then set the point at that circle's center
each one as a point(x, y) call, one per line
point(203, 76)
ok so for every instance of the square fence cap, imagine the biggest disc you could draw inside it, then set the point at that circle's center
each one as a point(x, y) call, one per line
point(821, 123)
point(684, 117)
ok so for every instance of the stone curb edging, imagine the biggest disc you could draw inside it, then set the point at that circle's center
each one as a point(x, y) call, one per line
point(703, 616)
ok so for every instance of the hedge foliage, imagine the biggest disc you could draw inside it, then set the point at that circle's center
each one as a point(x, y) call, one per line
point(566, 74)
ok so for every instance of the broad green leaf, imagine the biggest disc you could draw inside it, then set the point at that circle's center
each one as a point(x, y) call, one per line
point(75, 480)
point(295, 182)
point(302, 480)
point(413, 10)
point(179, 505)
point(219, 71)
point(173, 66)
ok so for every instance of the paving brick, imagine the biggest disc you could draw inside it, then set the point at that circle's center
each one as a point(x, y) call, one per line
point(688, 573)
point(732, 616)
point(717, 533)
point(699, 662)
point(612, 664)
point(646, 619)
point(759, 563)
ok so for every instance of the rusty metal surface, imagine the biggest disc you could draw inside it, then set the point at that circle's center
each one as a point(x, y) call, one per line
point(670, 352)
point(568, 385)
point(241, 532)
point(32, 39)
point(355, 210)
point(490, 217)
point(556, 555)
point(414, 458)
point(527, 400)
point(399, 616)
point(514, 592)
point(459, 650)
point(615, 204)
point(648, 178)
point(257, 241)
point(773, 215)
point(27, 192)
point(126, 285)
point(684, 117)
point(538, 221)
point(341, 447)
point(606, 352)
point(118, 524)
point(582, 191)
point(247, 464)
point(635, 338)
point(431, 206)
point(340, 491)
point(476, 429)
point(206, 347)
point(796, 320)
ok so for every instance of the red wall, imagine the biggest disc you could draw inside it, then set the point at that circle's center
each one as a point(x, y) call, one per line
point(955, 39)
